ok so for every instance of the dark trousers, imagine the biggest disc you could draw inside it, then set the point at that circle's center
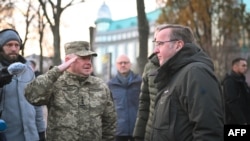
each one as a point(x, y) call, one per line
point(124, 138)
point(2, 137)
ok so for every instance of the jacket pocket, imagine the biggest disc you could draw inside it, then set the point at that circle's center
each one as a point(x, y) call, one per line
point(162, 112)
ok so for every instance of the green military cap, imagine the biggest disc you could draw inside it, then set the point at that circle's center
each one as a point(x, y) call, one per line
point(80, 48)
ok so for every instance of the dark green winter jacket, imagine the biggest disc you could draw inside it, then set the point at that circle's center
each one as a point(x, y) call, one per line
point(189, 102)
point(143, 124)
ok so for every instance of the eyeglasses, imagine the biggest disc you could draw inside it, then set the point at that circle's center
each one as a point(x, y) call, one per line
point(125, 63)
point(160, 43)
point(244, 65)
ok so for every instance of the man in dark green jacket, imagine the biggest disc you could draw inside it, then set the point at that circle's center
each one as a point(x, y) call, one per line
point(189, 103)
point(143, 126)
point(144, 119)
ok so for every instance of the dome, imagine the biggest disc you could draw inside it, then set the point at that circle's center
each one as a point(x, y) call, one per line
point(104, 12)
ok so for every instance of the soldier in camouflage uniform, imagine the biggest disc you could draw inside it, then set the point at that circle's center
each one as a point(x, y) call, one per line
point(79, 104)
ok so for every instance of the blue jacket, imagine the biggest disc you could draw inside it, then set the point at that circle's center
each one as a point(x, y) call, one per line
point(126, 100)
point(24, 121)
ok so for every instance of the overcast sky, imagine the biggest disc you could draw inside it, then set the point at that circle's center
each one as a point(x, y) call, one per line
point(79, 18)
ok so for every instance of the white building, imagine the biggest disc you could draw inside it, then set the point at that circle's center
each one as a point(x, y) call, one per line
point(113, 38)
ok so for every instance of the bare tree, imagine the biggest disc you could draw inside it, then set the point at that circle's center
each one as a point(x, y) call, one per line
point(143, 29)
point(29, 16)
point(6, 11)
point(41, 27)
point(55, 8)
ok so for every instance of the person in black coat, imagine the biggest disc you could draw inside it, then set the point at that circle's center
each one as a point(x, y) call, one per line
point(237, 94)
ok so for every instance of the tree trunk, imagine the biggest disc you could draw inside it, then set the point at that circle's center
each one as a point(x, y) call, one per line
point(57, 40)
point(143, 29)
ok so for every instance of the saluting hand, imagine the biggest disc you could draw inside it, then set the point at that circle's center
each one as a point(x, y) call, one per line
point(67, 63)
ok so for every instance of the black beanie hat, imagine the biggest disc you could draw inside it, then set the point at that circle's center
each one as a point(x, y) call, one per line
point(7, 35)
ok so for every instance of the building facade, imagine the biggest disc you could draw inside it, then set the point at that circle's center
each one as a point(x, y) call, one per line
point(115, 37)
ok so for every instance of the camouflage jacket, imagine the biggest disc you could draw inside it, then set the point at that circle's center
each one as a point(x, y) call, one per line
point(79, 109)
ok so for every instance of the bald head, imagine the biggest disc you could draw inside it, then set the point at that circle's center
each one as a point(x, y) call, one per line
point(123, 64)
point(122, 57)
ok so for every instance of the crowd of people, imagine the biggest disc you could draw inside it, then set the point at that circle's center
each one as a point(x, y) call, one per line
point(178, 97)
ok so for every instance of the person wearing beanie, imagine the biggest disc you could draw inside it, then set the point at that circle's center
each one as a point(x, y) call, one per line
point(9, 35)
point(24, 121)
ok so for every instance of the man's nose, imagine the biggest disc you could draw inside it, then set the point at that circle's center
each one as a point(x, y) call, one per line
point(156, 50)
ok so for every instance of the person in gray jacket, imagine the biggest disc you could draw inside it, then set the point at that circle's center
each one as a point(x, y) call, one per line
point(24, 121)
point(189, 102)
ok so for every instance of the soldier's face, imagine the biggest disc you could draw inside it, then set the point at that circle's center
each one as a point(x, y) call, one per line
point(82, 66)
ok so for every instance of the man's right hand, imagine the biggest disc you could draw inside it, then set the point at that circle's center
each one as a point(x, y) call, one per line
point(67, 63)
point(5, 77)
